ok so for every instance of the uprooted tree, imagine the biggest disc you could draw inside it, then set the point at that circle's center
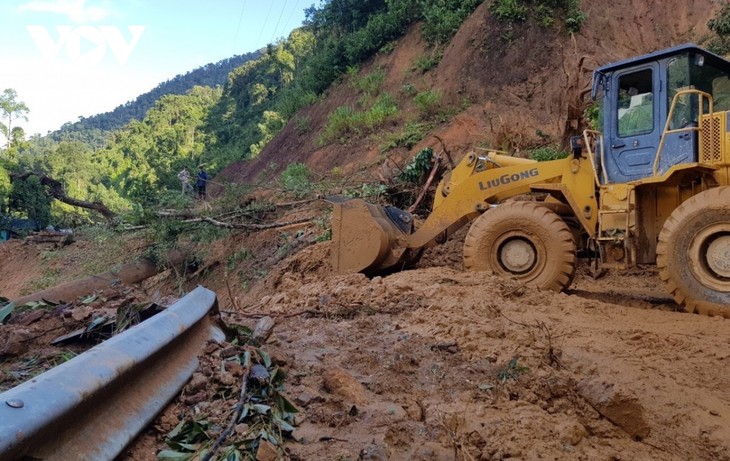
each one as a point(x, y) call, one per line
point(28, 197)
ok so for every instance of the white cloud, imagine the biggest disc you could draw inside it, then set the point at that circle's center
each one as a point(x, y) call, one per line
point(77, 11)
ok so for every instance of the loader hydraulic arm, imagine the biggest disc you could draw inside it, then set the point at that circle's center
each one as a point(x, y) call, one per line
point(368, 238)
point(570, 180)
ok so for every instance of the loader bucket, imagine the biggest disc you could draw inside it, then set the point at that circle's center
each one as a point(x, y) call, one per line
point(368, 238)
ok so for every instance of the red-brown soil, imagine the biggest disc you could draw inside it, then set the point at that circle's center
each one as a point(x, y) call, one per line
point(438, 363)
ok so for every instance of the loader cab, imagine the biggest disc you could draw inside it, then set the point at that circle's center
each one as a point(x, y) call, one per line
point(636, 97)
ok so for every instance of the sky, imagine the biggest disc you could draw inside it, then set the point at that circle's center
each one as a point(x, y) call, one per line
point(72, 58)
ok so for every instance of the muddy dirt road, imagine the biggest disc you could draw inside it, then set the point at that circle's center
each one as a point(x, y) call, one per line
point(437, 363)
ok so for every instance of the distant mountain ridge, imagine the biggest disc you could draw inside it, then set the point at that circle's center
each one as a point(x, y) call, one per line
point(212, 74)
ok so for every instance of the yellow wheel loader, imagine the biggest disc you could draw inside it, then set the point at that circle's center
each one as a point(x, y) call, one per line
point(652, 187)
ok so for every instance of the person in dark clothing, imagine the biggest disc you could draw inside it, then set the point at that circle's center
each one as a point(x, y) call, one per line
point(202, 180)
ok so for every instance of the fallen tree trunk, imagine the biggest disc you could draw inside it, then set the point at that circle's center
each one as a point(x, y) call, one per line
point(54, 188)
point(246, 225)
point(133, 272)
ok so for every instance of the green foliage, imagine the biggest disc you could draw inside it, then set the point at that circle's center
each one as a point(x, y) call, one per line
point(5, 188)
point(209, 75)
point(369, 191)
point(543, 154)
point(720, 25)
point(378, 23)
point(509, 10)
point(544, 15)
point(370, 84)
point(383, 110)
point(11, 110)
point(592, 116)
point(425, 62)
point(147, 155)
point(409, 89)
point(428, 102)
point(575, 18)
point(263, 411)
point(388, 47)
point(271, 124)
point(181, 124)
point(442, 18)
point(545, 12)
point(340, 123)
point(239, 256)
point(345, 121)
point(411, 135)
point(302, 124)
point(420, 165)
point(512, 371)
point(296, 178)
point(29, 196)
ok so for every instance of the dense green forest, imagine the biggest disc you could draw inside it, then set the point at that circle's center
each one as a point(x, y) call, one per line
point(212, 75)
point(134, 166)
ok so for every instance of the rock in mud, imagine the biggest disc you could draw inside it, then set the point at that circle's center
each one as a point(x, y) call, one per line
point(14, 341)
point(266, 451)
point(263, 329)
point(342, 383)
point(306, 396)
point(27, 318)
point(616, 405)
point(197, 383)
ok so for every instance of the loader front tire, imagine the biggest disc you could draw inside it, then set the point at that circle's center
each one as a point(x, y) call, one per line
point(524, 240)
point(693, 253)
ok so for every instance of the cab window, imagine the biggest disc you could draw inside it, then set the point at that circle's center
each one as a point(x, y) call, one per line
point(635, 104)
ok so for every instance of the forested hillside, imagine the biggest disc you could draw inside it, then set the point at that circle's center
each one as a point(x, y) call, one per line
point(360, 83)
point(212, 75)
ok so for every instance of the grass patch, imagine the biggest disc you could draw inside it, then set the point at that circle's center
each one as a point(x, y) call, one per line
point(544, 154)
point(545, 12)
point(426, 62)
point(429, 102)
point(296, 178)
point(371, 83)
point(345, 122)
point(411, 134)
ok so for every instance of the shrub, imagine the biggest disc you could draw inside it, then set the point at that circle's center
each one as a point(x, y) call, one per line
point(720, 25)
point(509, 10)
point(575, 19)
point(426, 62)
point(420, 165)
point(370, 84)
point(411, 135)
point(544, 12)
point(29, 195)
point(543, 154)
point(429, 102)
point(296, 179)
point(383, 110)
point(345, 120)
point(341, 121)
point(442, 18)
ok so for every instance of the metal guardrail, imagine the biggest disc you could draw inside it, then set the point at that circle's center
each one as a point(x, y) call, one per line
point(92, 406)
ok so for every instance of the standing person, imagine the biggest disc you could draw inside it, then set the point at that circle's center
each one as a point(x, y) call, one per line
point(184, 177)
point(202, 179)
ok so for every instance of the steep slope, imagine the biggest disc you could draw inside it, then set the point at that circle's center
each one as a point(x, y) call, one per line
point(510, 81)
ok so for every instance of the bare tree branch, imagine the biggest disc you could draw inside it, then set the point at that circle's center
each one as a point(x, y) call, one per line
point(54, 188)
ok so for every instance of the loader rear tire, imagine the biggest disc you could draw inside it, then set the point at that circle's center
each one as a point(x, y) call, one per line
point(693, 253)
point(524, 240)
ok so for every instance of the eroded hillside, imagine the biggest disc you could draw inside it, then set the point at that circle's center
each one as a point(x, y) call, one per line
point(503, 86)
